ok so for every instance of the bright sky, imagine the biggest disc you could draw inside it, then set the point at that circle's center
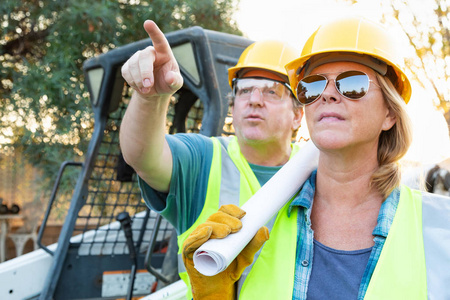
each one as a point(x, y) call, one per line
point(294, 20)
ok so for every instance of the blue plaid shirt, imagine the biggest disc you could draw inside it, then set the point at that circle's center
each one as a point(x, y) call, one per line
point(303, 266)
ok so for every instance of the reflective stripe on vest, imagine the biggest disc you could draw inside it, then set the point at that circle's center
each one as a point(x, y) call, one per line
point(227, 165)
point(212, 200)
point(249, 185)
point(436, 237)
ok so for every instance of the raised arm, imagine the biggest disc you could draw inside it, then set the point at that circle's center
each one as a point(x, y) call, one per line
point(154, 75)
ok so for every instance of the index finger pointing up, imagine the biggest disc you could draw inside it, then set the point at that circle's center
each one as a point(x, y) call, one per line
point(160, 42)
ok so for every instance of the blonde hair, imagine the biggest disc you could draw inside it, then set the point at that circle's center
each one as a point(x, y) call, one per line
point(393, 143)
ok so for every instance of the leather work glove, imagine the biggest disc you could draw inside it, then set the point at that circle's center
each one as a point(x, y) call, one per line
point(217, 226)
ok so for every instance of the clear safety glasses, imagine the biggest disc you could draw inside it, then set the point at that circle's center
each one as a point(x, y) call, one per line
point(270, 90)
point(351, 84)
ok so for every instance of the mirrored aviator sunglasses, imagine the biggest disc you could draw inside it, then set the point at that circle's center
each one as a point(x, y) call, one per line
point(350, 84)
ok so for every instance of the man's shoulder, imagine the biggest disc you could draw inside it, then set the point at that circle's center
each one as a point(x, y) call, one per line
point(193, 139)
point(189, 139)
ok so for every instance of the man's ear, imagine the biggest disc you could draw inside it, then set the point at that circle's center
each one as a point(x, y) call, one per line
point(298, 116)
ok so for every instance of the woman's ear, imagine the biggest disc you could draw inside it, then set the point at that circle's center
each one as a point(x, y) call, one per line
point(389, 121)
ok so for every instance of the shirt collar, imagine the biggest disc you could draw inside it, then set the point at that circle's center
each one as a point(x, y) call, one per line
point(306, 195)
point(386, 214)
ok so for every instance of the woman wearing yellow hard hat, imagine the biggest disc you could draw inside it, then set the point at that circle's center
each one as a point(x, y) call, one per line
point(375, 233)
point(372, 238)
point(360, 233)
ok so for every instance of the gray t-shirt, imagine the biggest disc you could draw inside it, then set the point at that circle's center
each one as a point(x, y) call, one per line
point(336, 274)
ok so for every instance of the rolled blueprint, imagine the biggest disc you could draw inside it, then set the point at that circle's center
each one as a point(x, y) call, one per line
point(215, 255)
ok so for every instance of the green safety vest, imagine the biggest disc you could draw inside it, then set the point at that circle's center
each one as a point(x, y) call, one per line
point(227, 165)
point(414, 262)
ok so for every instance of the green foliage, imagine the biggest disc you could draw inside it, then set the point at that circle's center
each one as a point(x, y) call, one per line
point(45, 111)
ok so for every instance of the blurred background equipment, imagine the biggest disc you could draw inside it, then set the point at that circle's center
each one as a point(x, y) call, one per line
point(92, 250)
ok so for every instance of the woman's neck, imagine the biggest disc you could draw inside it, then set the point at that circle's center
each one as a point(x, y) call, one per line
point(344, 180)
point(345, 207)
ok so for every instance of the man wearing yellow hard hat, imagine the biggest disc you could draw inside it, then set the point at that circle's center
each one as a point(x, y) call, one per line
point(359, 233)
point(194, 175)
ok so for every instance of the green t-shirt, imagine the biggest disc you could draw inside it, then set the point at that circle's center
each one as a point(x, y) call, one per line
point(192, 156)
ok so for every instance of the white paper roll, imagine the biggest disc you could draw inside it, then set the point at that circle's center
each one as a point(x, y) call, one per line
point(215, 255)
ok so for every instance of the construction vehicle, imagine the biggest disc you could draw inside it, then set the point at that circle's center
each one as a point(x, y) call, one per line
point(111, 246)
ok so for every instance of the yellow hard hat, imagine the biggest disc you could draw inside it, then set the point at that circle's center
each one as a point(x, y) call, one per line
point(266, 55)
point(358, 36)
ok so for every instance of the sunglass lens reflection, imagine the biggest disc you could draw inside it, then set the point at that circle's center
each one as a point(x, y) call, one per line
point(352, 84)
point(310, 88)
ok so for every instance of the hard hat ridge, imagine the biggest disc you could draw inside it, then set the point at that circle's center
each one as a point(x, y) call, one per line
point(320, 59)
point(269, 55)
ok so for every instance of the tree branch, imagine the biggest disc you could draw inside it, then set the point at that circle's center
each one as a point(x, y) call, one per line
point(23, 44)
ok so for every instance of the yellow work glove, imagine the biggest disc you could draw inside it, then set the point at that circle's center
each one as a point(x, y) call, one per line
point(218, 226)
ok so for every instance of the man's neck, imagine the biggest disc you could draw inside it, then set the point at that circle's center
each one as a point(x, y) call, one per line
point(266, 155)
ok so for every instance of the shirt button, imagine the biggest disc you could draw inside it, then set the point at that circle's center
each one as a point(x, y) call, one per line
point(305, 263)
